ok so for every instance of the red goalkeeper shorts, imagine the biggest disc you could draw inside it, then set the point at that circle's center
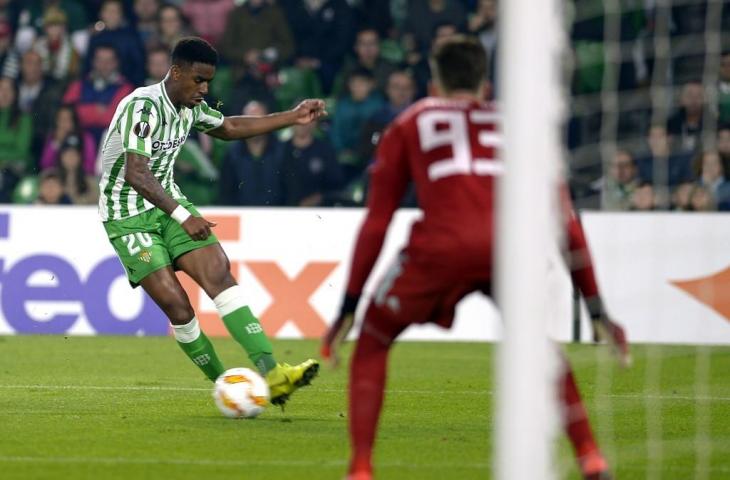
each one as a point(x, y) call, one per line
point(419, 292)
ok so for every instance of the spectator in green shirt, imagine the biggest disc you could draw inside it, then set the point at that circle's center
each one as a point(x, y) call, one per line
point(16, 131)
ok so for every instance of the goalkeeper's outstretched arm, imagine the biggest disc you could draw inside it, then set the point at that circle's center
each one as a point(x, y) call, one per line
point(580, 265)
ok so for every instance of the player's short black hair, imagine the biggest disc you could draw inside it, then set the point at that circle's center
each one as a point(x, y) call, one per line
point(460, 63)
point(189, 50)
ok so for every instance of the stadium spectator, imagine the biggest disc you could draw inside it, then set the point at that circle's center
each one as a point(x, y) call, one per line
point(31, 22)
point(81, 188)
point(145, 12)
point(172, 25)
point(644, 198)
point(376, 14)
point(16, 132)
point(252, 82)
point(113, 29)
point(622, 181)
point(723, 88)
point(710, 173)
point(208, 17)
point(688, 30)
point(9, 12)
point(61, 61)
point(9, 63)
point(483, 24)
point(97, 95)
point(158, 64)
point(251, 174)
point(417, 60)
point(686, 123)
point(367, 55)
point(351, 113)
point(67, 131)
point(50, 189)
point(723, 145)
point(682, 195)
point(323, 31)
point(425, 15)
point(660, 165)
point(702, 200)
point(195, 173)
point(256, 33)
point(39, 96)
point(400, 93)
point(309, 165)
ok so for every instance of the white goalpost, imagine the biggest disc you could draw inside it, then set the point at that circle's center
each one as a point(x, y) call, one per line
point(529, 86)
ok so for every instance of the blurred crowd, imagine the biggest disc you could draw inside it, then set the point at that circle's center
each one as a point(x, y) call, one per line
point(650, 109)
point(66, 64)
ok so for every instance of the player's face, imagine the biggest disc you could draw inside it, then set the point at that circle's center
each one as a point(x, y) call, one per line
point(193, 81)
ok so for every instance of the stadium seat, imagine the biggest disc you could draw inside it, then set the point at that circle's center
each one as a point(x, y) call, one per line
point(26, 191)
point(222, 84)
point(294, 84)
point(589, 66)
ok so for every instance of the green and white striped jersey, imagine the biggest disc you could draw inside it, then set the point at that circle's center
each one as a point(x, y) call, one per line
point(146, 123)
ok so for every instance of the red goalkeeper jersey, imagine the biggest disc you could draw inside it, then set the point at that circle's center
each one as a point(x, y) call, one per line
point(449, 149)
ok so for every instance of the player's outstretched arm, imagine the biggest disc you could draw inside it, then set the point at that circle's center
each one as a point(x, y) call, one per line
point(580, 264)
point(389, 178)
point(139, 176)
point(244, 126)
point(337, 333)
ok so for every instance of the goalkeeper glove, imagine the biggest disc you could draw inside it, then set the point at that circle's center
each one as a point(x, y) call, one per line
point(604, 328)
point(337, 333)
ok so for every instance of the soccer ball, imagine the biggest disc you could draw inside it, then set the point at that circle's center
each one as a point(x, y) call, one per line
point(241, 393)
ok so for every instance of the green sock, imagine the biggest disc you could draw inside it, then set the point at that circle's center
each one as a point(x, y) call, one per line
point(246, 329)
point(198, 348)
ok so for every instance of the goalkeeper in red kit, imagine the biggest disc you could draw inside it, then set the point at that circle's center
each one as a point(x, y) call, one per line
point(447, 145)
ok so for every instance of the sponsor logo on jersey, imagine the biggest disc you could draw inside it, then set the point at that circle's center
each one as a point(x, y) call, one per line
point(158, 145)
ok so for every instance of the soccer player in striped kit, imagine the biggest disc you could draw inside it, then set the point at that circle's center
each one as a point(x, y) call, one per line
point(155, 230)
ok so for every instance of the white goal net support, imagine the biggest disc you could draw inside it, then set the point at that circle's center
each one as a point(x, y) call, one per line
point(630, 101)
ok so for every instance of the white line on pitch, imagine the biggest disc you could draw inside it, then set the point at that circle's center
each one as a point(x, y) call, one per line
point(228, 463)
point(153, 388)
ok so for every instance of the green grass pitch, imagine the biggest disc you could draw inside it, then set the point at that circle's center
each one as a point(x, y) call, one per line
point(123, 407)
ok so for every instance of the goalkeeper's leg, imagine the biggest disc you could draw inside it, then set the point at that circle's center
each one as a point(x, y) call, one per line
point(367, 384)
point(578, 428)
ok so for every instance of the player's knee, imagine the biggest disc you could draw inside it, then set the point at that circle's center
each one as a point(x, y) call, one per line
point(178, 312)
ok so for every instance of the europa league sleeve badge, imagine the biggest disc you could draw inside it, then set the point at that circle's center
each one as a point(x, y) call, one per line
point(142, 129)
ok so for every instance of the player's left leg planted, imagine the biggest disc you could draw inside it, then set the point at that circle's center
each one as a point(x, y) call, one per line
point(367, 384)
point(590, 460)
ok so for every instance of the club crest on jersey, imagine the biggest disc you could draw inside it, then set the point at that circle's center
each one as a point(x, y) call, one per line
point(145, 256)
point(142, 129)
